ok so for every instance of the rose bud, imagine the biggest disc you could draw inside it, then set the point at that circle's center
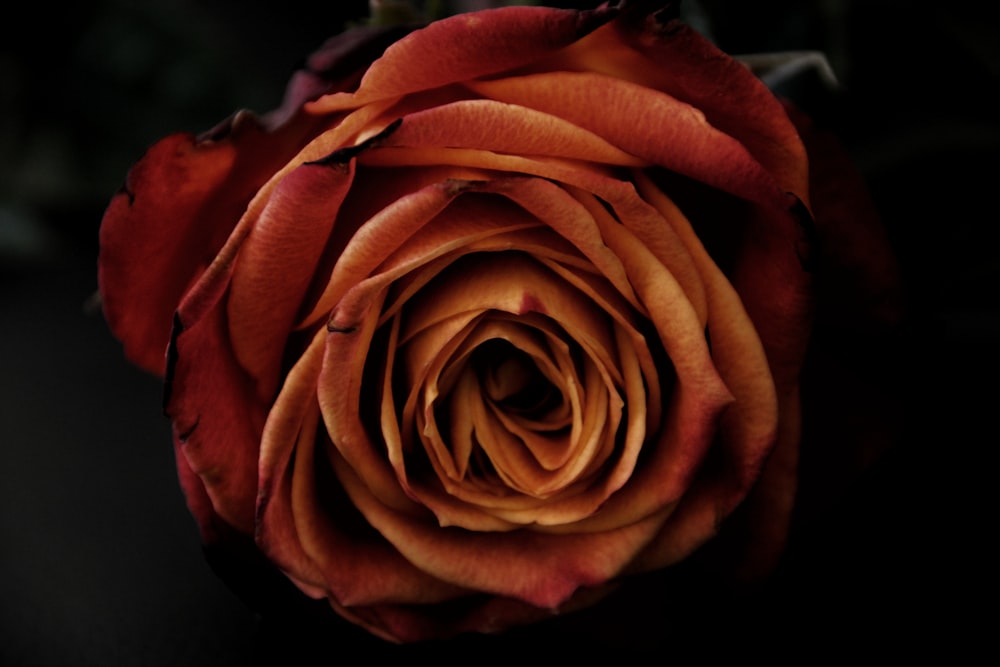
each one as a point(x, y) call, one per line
point(488, 316)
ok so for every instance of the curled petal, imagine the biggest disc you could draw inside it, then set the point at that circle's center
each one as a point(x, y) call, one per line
point(539, 568)
point(295, 526)
point(276, 265)
point(444, 53)
point(506, 128)
point(732, 99)
point(661, 129)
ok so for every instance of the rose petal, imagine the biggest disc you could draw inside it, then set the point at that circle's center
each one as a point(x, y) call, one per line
point(661, 129)
point(444, 52)
point(542, 569)
point(216, 415)
point(375, 241)
point(505, 128)
point(484, 290)
point(299, 532)
point(213, 402)
point(731, 97)
point(462, 224)
point(144, 269)
point(276, 265)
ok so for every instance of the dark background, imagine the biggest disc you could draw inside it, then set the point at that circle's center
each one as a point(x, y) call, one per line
point(100, 563)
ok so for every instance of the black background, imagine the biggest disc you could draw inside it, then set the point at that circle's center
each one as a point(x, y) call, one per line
point(100, 563)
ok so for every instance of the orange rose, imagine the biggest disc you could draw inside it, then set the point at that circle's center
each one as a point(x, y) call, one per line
point(515, 314)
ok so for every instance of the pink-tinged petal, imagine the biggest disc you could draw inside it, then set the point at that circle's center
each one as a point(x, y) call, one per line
point(176, 210)
point(404, 624)
point(276, 264)
point(476, 613)
point(661, 129)
point(468, 46)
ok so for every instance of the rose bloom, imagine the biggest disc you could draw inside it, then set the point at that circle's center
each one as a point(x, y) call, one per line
point(486, 317)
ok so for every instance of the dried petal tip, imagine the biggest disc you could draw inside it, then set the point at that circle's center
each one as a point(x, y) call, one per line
point(345, 155)
point(669, 12)
point(590, 20)
point(805, 246)
point(231, 126)
point(663, 11)
point(455, 186)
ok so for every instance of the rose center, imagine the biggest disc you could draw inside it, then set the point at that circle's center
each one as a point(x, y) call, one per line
point(512, 381)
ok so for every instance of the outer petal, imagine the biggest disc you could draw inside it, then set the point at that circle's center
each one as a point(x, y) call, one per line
point(337, 65)
point(277, 262)
point(468, 46)
point(660, 129)
point(673, 58)
point(736, 102)
point(217, 417)
point(180, 201)
point(160, 232)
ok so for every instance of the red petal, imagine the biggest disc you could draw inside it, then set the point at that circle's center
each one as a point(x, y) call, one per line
point(276, 264)
point(217, 418)
point(178, 206)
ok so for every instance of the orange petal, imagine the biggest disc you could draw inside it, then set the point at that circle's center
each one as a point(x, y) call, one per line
point(467, 46)
point(676, 60)
point(276, 265)
point(660, 129)
point(505, 128)
point(375, 241)
point(542, 569)
point(308, 536)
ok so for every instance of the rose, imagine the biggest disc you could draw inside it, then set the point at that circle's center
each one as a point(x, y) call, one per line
point(516, 314)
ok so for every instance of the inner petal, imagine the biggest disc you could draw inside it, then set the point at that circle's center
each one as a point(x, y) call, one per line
point(514, 384)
